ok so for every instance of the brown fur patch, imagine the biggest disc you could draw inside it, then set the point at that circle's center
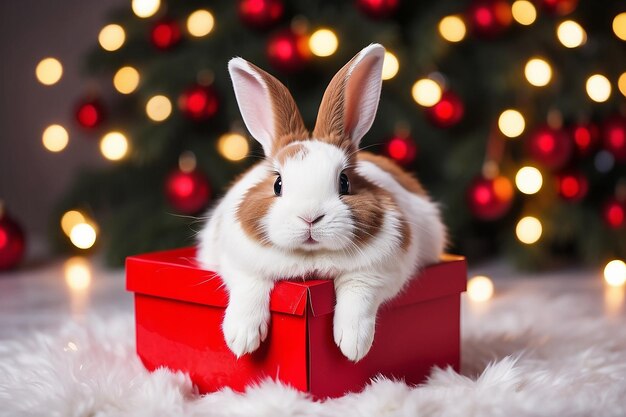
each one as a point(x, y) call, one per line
point(289, 152)
point(405, 232)
point(405, 179)
point(254, 206)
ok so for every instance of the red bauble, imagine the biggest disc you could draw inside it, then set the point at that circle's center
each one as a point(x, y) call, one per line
point(586, 138)
point(447, 112)
point(165, 34)
point(614, 213)
point(572, 186)
point(401, 149)
point(490, 199)
point(559, 7)
point(489, 18)
point(12, 241)
point(288, 51)
point(89, 113)
point(378, 9)
point(260, 14)
point(199, 102)
point(614, 137)
point(187, 192)
point(550, 147)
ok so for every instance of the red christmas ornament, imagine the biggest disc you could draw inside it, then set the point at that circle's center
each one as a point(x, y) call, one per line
point(89, 113)
point(559, 7)
point(199, 102)
point(378, 9)
point(490, 199)
point(572, 186)
point(165, 34)
point(447, 112)
point(260, 14)
point(550, 147)
point(586, 138)
point(187, 192)
point(12, 241)
point(402, 149)
point(288, 51)
point(614, 137)
point(489, 18)
point(614, 213)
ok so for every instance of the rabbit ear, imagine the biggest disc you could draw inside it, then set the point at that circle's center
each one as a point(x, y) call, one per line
point(266, 105)
point(350, 102)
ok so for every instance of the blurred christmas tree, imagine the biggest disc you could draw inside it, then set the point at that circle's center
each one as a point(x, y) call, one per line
point(508, 112)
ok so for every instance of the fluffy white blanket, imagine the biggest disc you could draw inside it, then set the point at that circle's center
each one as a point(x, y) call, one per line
point(526, 354)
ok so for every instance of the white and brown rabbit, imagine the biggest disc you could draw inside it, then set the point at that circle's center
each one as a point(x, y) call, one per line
point(315, 206)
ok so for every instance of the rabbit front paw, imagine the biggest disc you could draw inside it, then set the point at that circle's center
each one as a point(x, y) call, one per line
point(244, 331)
point(354, 333)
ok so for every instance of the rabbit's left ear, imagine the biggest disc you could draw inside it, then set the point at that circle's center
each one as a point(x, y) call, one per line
point(351, 99)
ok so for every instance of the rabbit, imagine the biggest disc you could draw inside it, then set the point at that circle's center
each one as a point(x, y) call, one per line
point(316, 206)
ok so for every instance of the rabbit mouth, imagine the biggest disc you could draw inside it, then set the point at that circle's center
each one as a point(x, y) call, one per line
point(310, 241)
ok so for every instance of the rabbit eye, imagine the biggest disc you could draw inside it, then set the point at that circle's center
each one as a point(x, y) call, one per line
point(278, 186)
point(344, 184)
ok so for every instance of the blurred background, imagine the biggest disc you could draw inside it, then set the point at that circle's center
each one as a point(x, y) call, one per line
point(120, 128)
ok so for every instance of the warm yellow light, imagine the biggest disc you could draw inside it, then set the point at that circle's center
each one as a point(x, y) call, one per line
point(619, 26)
point(112, 37)
point(480, 288)
point(70, 219)
point(571, 34)
point(615, 273)
point(598, 88)
point(200, 23)
point(511, 123)
point(126, 80)
point(83, 235)
point(390, 66)
point(323, 42)
point(621, 83)
point(528, 230)
point(55, 138)
point(145, 8)
point(49, 71)
point(426, 92)
point(77, 273)
point(114, 146)
point(524, 12)
point(452, 28)
point(159, 108)
point(233, 146)
point(529, 180)
point(538, 72)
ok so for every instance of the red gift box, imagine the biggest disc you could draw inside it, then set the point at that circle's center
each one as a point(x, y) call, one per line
point(179, 310)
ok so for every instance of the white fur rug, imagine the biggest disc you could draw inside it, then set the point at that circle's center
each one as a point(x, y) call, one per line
point(524, 355)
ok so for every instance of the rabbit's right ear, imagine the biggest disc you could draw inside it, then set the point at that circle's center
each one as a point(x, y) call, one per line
point(267, 107)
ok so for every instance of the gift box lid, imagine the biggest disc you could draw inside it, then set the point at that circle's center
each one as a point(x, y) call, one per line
point(175, 274)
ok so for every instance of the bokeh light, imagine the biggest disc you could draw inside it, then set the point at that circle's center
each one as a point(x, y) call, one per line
point(158, 108)
point(571, 34)
point(598, 88)
point(529, 230)
point(145, 8)
point(323, 42)
point(452, 28)
point(200, 23)
point(480, 288)
point(114, 146)
point(529, 180)
point(426, 92)
point(49, 71)
point(55, 138)
point(615, 273)
point(511, 123)
point(70, 219)
point(390, 66)
point(233, 146)
point(619, 26)
point(524, 12)
point(112, 37)
point(77, 271)
point(621, 83)
point(83, 235)
point(126, 80)
point(538, 72)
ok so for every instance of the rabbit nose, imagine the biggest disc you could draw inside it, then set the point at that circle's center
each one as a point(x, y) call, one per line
point(312, 222)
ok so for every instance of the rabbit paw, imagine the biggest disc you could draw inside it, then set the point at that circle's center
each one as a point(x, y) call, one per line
point(244, 331)
point(353, 334)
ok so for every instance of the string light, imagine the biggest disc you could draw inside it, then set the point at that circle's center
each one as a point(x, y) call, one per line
point(200, 23)
point(621, 83)
point(83, 235)
point(426, 92)
point(480, 288)
point(49, 71)
point(77, 273)
point(615, 273)
point(571, 34)
point(511, 123)
point(70, 219)
point(114, 146)
point(538, 72)
point(159, 108)
point(524, 12)
point(529, 180)
point(619, 26)
point(323, 42)
point(126, 80)
point(452, 28)
point(145, 8)
point(390, 66)
point(598, 88)
point(528, 230)
point(55, 138)
point(233, 146)
point(112, 37)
